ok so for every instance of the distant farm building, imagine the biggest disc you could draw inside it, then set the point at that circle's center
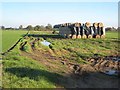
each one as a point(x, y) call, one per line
point(79, 30)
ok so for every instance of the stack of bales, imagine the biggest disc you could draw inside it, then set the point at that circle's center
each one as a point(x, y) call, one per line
point(75, 28)
point(98, 30)
point(65, 30)
point(78, 30)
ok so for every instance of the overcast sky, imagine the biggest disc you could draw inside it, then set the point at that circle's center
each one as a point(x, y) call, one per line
point(42, 13)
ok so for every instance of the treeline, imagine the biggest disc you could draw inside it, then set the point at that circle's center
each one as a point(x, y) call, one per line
point(112, 29)
point(30, 27)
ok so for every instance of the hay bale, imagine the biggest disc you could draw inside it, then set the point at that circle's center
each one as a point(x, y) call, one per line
point(64, 30)
point(89, 36)
point(78, 36)
point(62, 25)
point(100, 24)
point(87, 24)
point(97, 36)
point(84, 36)
point(69, 24)
point(76, 24)
point(65, 24)
point(102, 36)
point(95, 25)
point(97, 30)
point(69, 35)
point(74, 37)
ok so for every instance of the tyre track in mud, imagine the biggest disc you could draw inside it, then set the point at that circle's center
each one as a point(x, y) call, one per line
point(12, 47)
point(87, 78)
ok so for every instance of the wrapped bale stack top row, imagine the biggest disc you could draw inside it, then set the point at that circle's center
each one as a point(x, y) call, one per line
point(78, 30)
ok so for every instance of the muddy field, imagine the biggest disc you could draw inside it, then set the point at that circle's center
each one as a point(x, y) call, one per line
point(64, 63)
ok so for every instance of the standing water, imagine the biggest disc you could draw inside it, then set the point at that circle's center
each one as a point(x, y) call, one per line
point(46, 43)
point(111, 72)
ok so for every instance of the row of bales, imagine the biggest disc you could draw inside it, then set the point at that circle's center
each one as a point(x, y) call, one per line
point(79, 30)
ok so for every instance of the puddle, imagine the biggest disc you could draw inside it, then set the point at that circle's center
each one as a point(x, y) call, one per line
point(46, 43)
point(111, 72)
point(114, 58)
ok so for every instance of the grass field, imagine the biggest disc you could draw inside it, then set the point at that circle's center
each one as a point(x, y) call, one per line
point(23, 72)
point(112, 35)
point(9, 38)
point(80, 49)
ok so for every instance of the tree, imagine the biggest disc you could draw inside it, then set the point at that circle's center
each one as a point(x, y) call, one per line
point(37, 28)
point(42, 28)
point(118, 28)
point(2, 27)
point(20, 27)
point(49, 27)
point(110, 29)
point(29, 27)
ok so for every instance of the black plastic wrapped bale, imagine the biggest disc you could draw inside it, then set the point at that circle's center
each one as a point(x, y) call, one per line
point(75, 29)
point(97, 36)
point(101, 30)
point(78, 32)
point(65, 31)
point(87, 29)
point(96, 30)
point(83, 31)
point(78, 25)
point(91, 33)
point(74, 32)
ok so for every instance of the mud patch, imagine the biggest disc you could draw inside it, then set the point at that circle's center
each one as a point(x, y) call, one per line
point(109, 65)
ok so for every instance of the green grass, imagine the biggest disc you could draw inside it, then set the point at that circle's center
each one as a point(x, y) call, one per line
point(21, 72)
point(9, 38)
point(80, 49)
point(111, 35)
